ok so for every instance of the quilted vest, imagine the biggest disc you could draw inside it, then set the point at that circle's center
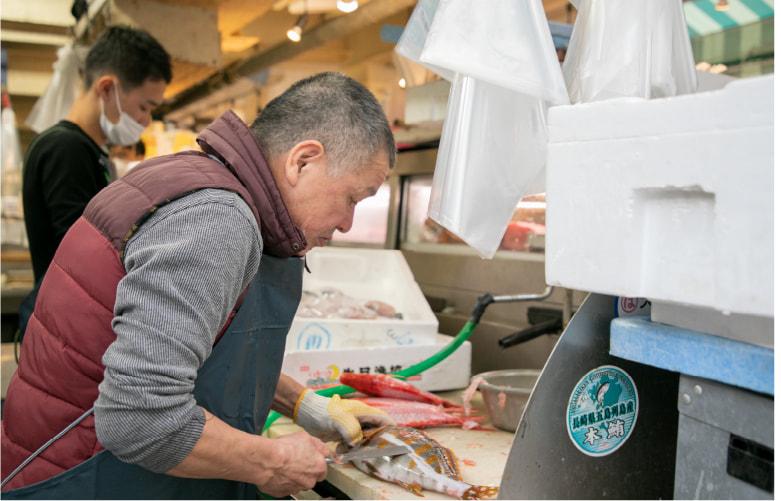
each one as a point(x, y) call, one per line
point(60, 364)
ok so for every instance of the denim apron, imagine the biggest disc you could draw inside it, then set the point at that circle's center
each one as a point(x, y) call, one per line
point(236, 383)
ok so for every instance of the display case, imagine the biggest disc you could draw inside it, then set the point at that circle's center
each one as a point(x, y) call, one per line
point(525, 232)
point(524, 238)
point(397, 217)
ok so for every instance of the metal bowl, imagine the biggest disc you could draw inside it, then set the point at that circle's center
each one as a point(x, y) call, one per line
point(505, 394)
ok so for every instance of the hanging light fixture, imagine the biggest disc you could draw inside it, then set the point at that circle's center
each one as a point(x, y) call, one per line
point(722, 5)
point(294, 33)
point(347, 5)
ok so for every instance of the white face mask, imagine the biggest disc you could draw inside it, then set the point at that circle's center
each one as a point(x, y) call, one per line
point(125, 132)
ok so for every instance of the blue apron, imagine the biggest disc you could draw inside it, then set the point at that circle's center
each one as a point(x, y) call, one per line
point(236, 383)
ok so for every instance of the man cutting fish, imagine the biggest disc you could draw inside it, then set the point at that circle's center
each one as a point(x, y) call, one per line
point(154, 352)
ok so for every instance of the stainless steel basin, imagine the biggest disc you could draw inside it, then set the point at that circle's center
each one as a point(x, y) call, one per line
point(505, 394)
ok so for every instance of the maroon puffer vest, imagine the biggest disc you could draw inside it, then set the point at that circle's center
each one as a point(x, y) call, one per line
point(60, 364)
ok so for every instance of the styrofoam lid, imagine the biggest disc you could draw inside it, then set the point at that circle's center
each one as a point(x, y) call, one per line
point(741, 104)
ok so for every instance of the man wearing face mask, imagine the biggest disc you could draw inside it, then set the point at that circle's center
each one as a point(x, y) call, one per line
point(125, 75)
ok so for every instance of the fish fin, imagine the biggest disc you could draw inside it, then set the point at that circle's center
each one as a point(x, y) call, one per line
point(480, 492)
point(416, 489)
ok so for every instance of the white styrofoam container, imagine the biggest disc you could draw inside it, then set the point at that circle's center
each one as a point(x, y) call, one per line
point(365, 274)
point(752, 329)
point(322, 368)
point(669, 199)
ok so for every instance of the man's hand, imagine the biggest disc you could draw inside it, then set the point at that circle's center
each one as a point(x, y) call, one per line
point(298, 462)
point(335, 419)
point(279, 466)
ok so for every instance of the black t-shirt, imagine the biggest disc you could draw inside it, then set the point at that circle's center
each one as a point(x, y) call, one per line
point(64, 168)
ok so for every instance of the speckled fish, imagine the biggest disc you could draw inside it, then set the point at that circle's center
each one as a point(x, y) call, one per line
point(428, 465)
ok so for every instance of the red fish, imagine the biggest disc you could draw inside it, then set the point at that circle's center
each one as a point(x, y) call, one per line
point(421, 415)
point(382, 385)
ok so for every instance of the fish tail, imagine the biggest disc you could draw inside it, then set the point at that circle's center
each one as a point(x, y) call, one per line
point(479, 492)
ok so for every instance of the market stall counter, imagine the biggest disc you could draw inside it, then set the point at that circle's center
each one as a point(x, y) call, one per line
point(482, 455)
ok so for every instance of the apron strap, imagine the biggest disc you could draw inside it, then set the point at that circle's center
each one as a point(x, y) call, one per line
point(231, 315)
point(46, 446)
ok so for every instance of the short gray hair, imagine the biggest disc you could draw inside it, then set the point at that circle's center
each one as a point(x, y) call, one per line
point(331, 108)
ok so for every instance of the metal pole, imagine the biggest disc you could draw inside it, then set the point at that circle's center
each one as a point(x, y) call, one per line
point(524, 297)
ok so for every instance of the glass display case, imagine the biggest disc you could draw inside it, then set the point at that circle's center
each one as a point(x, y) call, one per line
point(525, 232)
point(397, 217)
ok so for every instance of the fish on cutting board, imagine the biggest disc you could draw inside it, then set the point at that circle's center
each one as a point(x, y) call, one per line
point(428, 465)
point(383, 385)
point(421, 414)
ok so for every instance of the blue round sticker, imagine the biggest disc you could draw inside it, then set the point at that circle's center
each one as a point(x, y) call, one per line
point(602, 411)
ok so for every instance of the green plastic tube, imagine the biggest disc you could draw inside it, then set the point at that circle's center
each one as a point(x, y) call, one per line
point(413, 370)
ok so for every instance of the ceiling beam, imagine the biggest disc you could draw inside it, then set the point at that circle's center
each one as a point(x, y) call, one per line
point(333, 29)
point(43, 12)
point(32, 38)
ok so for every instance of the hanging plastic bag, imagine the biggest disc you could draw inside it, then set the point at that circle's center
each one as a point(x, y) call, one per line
point(62, 91)
point(12, 229)
point(503, 42)
point(632, 48)
point(492, 150)
point(494, 140)
point(412, 40)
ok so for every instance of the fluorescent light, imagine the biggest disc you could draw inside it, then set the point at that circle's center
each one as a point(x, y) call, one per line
point(347, 5)
point(294, 34)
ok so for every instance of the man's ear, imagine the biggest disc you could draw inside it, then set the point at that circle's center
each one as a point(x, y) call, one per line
point(301, 158)
point(103, 86)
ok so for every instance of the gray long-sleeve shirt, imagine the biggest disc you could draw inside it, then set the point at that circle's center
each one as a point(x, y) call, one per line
point(186, 267)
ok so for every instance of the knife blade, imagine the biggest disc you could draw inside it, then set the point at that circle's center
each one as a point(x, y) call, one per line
point(367, 453)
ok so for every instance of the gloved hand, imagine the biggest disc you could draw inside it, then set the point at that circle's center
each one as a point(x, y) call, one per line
point(332, 418)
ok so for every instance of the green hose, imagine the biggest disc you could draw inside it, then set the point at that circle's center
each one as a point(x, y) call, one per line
point(412, 370)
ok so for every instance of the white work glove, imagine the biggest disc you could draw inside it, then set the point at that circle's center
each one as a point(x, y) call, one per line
point(331, 419)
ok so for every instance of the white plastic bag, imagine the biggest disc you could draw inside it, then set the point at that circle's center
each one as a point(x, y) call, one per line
point(494, 140)
point(62, 91)
point(11, 149)
point(492, 150)
point(504, 42)
point(12, 229)
point(410, 45)
point(631, 48)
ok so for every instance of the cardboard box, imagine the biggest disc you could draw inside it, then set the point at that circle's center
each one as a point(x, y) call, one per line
point(364, 274)
point(322, 368)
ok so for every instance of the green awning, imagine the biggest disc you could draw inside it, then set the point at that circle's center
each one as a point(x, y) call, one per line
point(741, 37)
point(703, 19)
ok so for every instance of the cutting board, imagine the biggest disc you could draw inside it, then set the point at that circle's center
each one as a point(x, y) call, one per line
point(482, 456)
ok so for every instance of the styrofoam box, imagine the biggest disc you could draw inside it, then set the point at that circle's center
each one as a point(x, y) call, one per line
point(322, 368)
point(364, 274)
point(752, 329)
point(669, 199)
